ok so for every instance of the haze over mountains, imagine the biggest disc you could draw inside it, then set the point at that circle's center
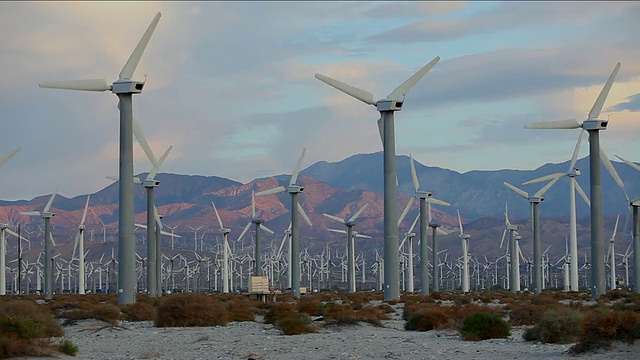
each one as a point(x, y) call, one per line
point(341, 188)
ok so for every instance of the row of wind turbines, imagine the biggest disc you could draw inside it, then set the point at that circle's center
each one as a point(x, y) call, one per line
point(125, 87)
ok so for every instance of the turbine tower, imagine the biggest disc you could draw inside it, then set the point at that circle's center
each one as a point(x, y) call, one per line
point(124, 88)
point(80, 245)
point(425, 197)
point(465, 256)
point(350, 223)
point(593, 125)
point(259, 226)
point(225, 252)
point(636, 234)
point(294, 190)
point(573, 227)
point(3, 255)
point(612, 252)
point(535, 201)
point(387, 107)
point(46, 215)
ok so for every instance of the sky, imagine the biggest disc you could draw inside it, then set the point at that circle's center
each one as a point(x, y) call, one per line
point(231, 85)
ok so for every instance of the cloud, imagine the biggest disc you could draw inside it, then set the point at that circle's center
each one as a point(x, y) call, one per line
point(633, 104)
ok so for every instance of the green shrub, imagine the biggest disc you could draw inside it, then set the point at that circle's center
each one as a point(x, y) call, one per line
point(294, 324)
point(481, 326)
point(68, 347)
point(601, 327)
point(25, 328)
point(191, 309)
point(559, 326)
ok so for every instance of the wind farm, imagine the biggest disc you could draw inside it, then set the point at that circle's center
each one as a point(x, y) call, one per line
point(225, 217)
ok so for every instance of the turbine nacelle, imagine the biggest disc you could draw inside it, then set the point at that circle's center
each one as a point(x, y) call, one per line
point(148, 183)
point(595, 124)
point(536, 199)
point(434, 224)
point(47, 215)
point(423, 194)
point(127, 87)
point(294, 189)
point(573, 173)
point(388, 105)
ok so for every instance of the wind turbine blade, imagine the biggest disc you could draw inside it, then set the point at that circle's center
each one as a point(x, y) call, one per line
point(294, 176)
point(359, 94)
point(597, 106)
point(338, 231)
point(615, 229)
point(31, 213)
point(381, 130)
point(75, 246)
point(518, 191)
point(504, 234)
point(402, 242)
point(86, 207)
point(612, 170)
point(429, 205)
point(414, 176)
point(362, 236)
point(46, 208)
point(630, 163)
point(246, 228)
point(137, 132)
point(253, 204)
point(266, 229)
point(432, 200)
point(157, 216)
point(6, 158)
point(576, 151)
point(405, 211)
point(357, 214)
point(544, 178)
point(131, 64)
point(582, 193)
point(558, 124)
point(83, 85)
point(332, 217)
point(546, 187)
point(217, 215)
point(52, 241)
point(304, 215)
point(460, 222)
point(140, 225)
point(275, 190)
point(402, 90)
point(154, 170)
point(413, 225)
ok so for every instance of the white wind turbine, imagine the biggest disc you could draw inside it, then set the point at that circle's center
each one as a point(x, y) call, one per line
point(535, 201)
point(387, 107)
point(259, 226)
point(612, 253)
point(124, 88)
point(573, 227)
point(294, 190)
point(425, 197)
point(409, 235)
point(226, 276)
point(79, 243)
point(513, 270)
point(593, 125)
point(3, 255)
point(465, 255)
point(635, 204)
point(46, 215)
point(350, 223)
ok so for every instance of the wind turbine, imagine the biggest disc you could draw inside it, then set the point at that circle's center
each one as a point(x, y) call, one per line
point(225, 252)
point(387, 107)
point(573, 228)
point(409, 235)
point(612, 252)
point(635, 204)
point(46, 215)
point(294, 190)
point(80, 244)
point(259, 225)
point(350, 223)
point(425, 197)
point(593, 125)
point(535, 201)
point(124, 88)
point(3, 255)
point(513, 273)
point(465, 255)
point(153, 242)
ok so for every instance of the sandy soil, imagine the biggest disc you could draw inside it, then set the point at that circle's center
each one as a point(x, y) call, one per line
point(256, 340)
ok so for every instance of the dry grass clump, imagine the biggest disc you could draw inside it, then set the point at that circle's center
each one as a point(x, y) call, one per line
point(26, 329)
point(140, 311)
point(295, 323)
point(371, 314)
point(277, 311)
point(240, 309)
point(425, 317)
point(108, 313)
point(601, 327)
point(191, 309)
point(482, 325)
point(310, 305)
point(559, 326)
point(386, 308)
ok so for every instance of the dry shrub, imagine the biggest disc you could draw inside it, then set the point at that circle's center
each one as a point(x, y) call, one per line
point(425, 317)
point(140, 311)
point(240, 309)
point(339, 314)
point(25, 329)
point(371, 314)
point(482, 325)
point(357, 299)
point(106, 312)
point(601, 327)
point(191, 309)
point(310, 305)
point(295, 323)
point(278, 311)
point(560, 326)
point(544, 299)
point(386, 308)
point(526, 314)
point(458, 312)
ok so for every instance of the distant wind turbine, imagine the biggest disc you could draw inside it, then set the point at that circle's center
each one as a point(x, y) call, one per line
point(387, 107)
point(259, 226)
